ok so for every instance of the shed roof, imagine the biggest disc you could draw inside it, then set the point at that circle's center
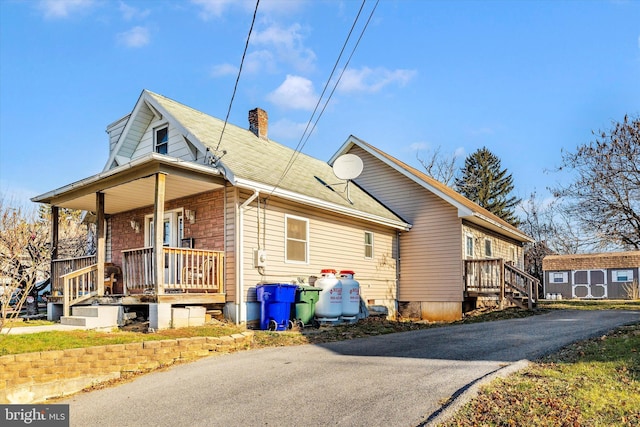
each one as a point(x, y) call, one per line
point(630, 259)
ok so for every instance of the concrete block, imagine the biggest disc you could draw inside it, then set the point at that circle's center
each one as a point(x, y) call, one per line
point(160, 316)
point(179, 317)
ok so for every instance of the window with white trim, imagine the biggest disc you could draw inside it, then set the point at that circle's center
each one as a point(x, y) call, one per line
point(469, 240)
point(161, 140)
point(296, 239)
point(559, 277)
point(623, 275)
point(368, 245)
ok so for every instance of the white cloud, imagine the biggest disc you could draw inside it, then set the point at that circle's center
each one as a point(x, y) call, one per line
point(135, 37)
point(459, 153)
point(62, 8)
point(294, 93)
point(260, 61)
point(417, 146)
point(212, 8)
point(130, 12)
point(373, 80)
point(286, 45)
point(223, 70)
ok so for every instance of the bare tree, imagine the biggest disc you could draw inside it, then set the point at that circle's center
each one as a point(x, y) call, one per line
point(604, 197)
point(24, 257)
point(440, 166)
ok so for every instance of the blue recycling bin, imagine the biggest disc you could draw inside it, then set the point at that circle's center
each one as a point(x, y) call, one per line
point(275, 305)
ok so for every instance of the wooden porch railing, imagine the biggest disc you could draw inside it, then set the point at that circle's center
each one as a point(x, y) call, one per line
point(78, 286)
point(495, 277)
point(60, 267)
point(186, 270)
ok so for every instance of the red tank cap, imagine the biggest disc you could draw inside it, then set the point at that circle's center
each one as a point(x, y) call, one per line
point(328, 270)
point(347, 272)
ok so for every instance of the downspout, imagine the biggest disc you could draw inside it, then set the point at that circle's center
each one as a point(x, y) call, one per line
point(240, 255)
point(397, 306)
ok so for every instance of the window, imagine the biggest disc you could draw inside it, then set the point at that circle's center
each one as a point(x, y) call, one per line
point(297, 239)
point(559, 277)
point(162, 140)
point(513, 254)
point(623, 275)
point(368, 244)
point(487, 248)
point(469, 246)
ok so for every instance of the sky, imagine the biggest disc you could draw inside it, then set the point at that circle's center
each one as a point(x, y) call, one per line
point(525, 79)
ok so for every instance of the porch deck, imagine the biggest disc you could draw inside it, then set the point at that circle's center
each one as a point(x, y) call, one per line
point(191, 276)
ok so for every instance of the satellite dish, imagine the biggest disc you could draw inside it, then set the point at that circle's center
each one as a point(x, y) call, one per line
point(347, 166)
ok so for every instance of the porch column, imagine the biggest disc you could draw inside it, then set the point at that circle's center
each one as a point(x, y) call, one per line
point(101, 242)
point(158, 233)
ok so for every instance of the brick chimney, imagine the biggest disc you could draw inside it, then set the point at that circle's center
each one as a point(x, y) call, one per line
point(259, 122)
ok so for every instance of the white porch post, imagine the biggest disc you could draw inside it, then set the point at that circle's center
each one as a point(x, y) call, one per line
point(101, 242)
point(158, 233)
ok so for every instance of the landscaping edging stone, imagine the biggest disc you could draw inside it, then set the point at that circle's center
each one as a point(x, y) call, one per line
point(35, 377)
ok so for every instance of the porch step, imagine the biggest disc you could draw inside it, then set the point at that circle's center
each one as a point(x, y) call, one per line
point(92, 317)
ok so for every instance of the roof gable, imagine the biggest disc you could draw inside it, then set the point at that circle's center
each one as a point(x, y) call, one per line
point(466, 208)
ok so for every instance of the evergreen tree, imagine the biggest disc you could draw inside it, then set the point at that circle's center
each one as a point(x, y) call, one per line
point(483, 181)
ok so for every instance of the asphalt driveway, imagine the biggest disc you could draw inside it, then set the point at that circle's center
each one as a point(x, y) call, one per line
point(391, 380)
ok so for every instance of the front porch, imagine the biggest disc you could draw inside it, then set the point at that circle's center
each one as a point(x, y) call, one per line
point(191, 276)
point(501, 281)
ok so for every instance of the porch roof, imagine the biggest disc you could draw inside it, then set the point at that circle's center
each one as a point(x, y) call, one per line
point(132, 185)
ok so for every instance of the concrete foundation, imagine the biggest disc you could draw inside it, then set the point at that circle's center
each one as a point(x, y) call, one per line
point(159, 316)
point(433, 311)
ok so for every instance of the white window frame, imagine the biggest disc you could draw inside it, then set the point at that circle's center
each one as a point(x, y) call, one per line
point(286, 239)
point(628, 276)
point(156, 143)
point(176, 223)
point(563, 275)
point(368, 245)
point(469, 238)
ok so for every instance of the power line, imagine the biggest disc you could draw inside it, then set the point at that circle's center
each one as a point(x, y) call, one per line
point(304, 140)
point(235, 87)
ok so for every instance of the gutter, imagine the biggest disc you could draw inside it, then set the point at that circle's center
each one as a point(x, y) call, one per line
point(240, 256)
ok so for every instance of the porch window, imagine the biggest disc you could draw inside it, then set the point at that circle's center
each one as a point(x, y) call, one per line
point(162, 140)
point(623, 275)
point(368, 245)
point(469, 246)
point(488, 250)
point(297, 239)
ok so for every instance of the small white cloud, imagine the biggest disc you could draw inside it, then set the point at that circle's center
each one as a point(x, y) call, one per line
point(62, 8)
point(212, 8)
point(459, 152)
point(130, 12)
point(286, 45)
point(373, 80)
point(260, 61)
point(135, 37)
point(295, 93)
point(417, 146)
point(222, 70)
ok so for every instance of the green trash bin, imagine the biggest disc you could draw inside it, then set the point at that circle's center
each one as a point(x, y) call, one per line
point(304, 307)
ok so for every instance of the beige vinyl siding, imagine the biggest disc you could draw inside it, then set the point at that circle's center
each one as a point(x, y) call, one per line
point(115, 130)
point(137, 129)
point(430, 257)
point(335, 242)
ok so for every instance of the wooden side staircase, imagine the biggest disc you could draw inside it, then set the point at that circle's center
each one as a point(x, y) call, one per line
point(495, 277)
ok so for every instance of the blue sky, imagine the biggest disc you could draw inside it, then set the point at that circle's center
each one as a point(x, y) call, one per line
point(526, 79)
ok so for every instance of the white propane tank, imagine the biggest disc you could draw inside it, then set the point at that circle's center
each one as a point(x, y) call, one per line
point(329, 304)
point(350, 294)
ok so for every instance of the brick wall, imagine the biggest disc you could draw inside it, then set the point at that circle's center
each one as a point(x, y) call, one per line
point(35, 377)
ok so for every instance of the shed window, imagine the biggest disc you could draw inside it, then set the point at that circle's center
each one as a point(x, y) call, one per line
point(623, 275)
point(487, 248)
point(297, 239)
point(559, 277)
point(162, 140)
point(368, 244)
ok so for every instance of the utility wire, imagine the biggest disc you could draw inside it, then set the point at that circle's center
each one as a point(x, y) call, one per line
point(235, 87)
point(303, 141)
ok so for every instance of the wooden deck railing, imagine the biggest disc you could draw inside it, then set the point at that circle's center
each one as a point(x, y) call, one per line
point(60, 267)
point(192, 270)
point(79, 285)
point(495, 277)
